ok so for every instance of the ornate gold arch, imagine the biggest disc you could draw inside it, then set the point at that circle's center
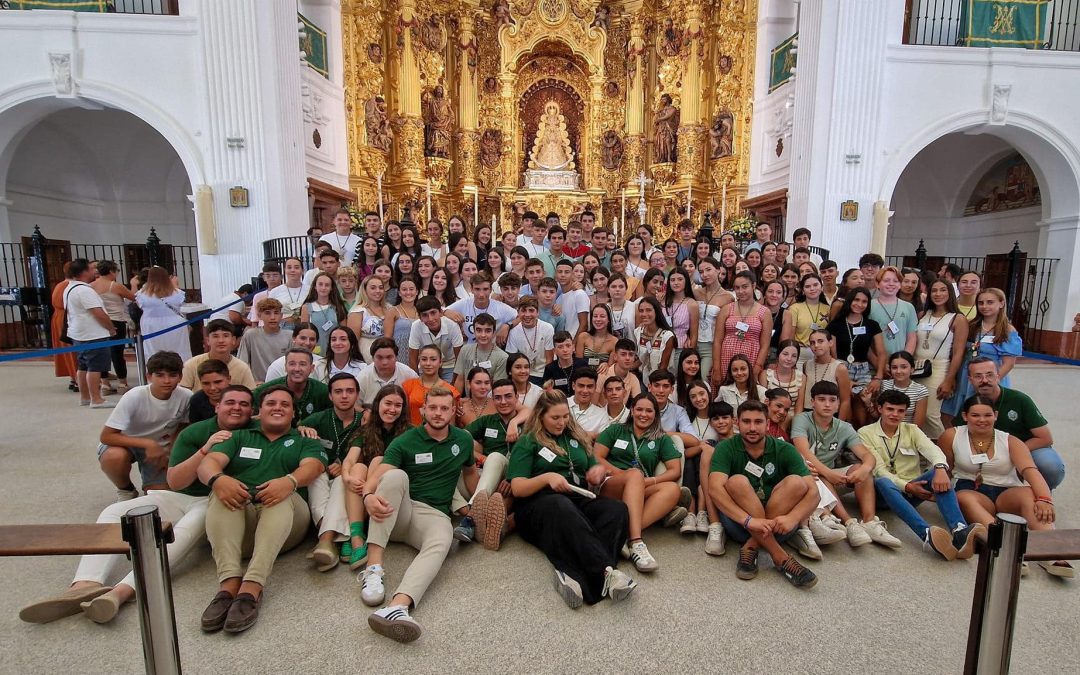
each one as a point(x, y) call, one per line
point(555, 21)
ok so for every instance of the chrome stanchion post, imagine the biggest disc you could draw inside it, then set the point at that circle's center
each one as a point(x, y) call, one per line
point(993, 610)
point(140, 357)
point(141, 529)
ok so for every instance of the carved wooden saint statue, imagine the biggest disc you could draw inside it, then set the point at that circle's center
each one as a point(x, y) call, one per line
point(720, 136)
point(666, 131)
point(611, 150)
point(379, 133)
point(438, 123)
point(490, 148)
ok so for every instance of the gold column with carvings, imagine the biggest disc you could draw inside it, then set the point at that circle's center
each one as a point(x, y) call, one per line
point(691, 129)
point(409, 126)
point(468, 135)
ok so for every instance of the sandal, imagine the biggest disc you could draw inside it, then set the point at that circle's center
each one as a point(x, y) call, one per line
point(1059, 568)
point(357, 556)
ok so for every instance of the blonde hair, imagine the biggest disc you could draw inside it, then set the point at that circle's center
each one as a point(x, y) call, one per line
point(362, 296)
point(348, 271)
point(158, 283)
point(889, 268)
point(1001, 324)
point(535, 425)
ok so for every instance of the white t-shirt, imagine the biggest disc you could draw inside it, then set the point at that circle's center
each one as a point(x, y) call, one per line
point(592, 419)
point(533, 342)
point(448, 338)
point(572, 303)
point(371, 383)
point(277, 369)
point(141, 415)
point(79, 299)
point(624, 321)
point(535, 250)
point(291, 299)
point(438, 252)
point(233, 303)
point(500, 311)
point(345, 246)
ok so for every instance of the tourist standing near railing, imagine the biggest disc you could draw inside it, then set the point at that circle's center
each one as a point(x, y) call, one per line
point(63, 364)
point(160, 301)
point(114, 296)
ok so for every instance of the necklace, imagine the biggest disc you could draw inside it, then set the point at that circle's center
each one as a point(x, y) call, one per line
point(926, 339)
point(851, 338)
point(536, 336)
point(402, 310)
point(476, 410)
point(345, 430)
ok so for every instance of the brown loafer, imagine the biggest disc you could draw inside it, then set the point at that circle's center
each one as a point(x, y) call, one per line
point(213, 617)
point(67, 603)
point(242, 614)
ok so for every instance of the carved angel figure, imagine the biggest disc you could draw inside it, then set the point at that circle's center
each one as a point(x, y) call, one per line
point(501, 12)
point(379, 133)
point(602, 18)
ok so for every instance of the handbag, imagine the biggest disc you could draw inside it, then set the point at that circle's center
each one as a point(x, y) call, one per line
point(924, 368)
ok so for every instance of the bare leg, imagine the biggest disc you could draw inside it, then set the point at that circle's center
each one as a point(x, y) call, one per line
point(629, 487)
point(743, 494)
point(660, 499)
point(93, 383)
point(354, 505)
point(116, 464)
point(84, 387)
point(977, 507)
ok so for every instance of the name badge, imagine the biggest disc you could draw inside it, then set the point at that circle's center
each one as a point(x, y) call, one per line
point(754, 469)
point(484, 364)
point(250, 453)
point(326, 444)
point(987, 339)
point(742, 325)
point(910, 452)
point(423, 458)
point(980, 458)
point(491, 433)
point(621, 444)
point(893, 328)
point(561, 382)
point(814, 326)
point(594, 361)
point(927, 327)
point(547, 454)
point(328, 325)
point(858, 330)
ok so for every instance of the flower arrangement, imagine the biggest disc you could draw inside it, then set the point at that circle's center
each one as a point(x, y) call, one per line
point(357, 218)
point(742, 227)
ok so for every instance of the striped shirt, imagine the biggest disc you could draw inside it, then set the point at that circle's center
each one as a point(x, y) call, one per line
point(915, 391)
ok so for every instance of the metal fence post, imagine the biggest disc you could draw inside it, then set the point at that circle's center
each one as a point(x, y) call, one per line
point(993, 609)
point(140, 356)
point(153, 247)
point(1010, 283)
point(141, 529)
point(39, 279)
point(920, 256)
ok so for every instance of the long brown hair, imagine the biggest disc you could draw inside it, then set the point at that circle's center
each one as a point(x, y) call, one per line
point(950, 302)
point(372, 437)
point(535, 425)
point(1001, 324)
point(158, 283)
point(334, 296)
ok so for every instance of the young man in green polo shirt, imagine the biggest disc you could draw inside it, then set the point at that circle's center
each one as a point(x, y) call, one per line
point(821, 438)
point(255, 477)
point(311, 395)
point(408, 499)
point(326, 496)
point(1020, 417)
point(763, 490)
point(184, 504)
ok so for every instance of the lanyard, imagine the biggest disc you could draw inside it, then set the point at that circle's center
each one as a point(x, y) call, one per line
point(637, 457)
point(891, 451)
point(346, 430)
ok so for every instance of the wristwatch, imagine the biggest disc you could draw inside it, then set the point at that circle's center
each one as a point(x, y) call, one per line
point(942, 466)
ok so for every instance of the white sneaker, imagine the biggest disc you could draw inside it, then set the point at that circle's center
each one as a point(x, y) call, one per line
point(714, 543)
point(703, 522)
point(372, 591)
point(823, 534)
point(642, 559)
point(833, 523)
point(617, 585)
point(688, 525)
point(879, 534)
point(625, 550)
point(856, 534)
point(804, 544)
point(123, 495)
point(568, 589)
point(394, 622)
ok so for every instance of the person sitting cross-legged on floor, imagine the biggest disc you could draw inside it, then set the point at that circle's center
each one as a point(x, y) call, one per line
point(629, 452)
point(142, 427)
point(822, 440)
point(995, 474)
point(551, 467)
point(184, 505)
point(901, 483)
point(763, 490)
point(408, 498)
point(255, 477)
point(326, 496)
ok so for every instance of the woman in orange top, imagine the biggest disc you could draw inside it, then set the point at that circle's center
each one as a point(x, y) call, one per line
point(63, 364)
point(429, 363)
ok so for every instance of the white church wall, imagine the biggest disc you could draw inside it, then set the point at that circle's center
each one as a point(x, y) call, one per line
point(773, 111)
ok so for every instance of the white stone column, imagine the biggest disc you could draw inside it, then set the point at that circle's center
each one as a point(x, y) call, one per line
point(838, 88)
point(1060, 238)
point(254, 132)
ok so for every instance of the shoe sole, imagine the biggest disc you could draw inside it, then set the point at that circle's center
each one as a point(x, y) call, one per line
point(478, 511)
point(688, 530)
point(968, 549)
point(52, 609)
point(717, 553)
point(894, 544)
point(240, 628)
point(399, 631)
point(101, 610)
point(942, 543)
point(647, 568)
point(857, 544)
point(808, 554)
point(685, 497)
point(494, 519)
point(571, 597)
point(1059, 572)
point(462, 537)
point(620, 594)
point(325, 560)
point(746, 575)
point(676, 516)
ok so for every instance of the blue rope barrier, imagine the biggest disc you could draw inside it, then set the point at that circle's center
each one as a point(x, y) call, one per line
point(112, 343)
point(1051, 359)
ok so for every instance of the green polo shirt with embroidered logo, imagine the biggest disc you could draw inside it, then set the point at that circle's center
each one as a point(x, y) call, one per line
point(255, 459)
point(779, 461)
point(490, 432)
point(316, 396)
point(333, 435)
point(529, 459)
point(188, 443)
point(433, 467)
point(621, 442)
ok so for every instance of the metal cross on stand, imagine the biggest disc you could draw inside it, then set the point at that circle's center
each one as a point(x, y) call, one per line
point(642, 209)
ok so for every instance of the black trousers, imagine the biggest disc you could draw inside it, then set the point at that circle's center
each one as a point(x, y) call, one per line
point(580, 536)
point(117, 351)
point(691, 476)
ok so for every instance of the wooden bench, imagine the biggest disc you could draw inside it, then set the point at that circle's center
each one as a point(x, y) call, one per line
point(1053, 545)
point(88, 539)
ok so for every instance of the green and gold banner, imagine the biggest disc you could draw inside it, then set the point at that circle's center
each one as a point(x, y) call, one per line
point(783, 60)
point(1003, 23)
point(100, 6)
point(313, 44)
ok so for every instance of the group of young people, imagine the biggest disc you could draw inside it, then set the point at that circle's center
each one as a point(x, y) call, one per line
point(575, 394)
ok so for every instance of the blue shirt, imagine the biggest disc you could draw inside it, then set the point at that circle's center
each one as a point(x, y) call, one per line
point(674, 418)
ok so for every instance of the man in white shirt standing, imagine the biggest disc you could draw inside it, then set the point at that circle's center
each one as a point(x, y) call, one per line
point(384, 369)
point(575, 303)
point(342, 238)
point(87, 323)
point(464, 311)
point(589, 416)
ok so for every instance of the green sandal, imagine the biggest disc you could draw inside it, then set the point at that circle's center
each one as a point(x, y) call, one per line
point(358, 556)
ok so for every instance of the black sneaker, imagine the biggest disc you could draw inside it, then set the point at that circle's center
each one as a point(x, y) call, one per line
point(799, 576)
point(964, 539)
point(938, 540)
point(466, 530)
point(746, 568)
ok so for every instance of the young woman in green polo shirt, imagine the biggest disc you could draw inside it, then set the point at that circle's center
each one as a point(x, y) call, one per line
point(550, 468)
point(630, 452)
point(388, 419)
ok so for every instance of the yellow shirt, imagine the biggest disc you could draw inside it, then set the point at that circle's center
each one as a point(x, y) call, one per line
point(239, 372)
point(898, 459)
point(805, 318)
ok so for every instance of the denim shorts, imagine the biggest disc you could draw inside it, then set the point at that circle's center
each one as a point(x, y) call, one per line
point(94, 360)
point(859, 372)
point(151, 475)
point(991, 491)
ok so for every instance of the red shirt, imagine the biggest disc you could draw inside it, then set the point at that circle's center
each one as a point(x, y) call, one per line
point(777, 431)
point(576, 251)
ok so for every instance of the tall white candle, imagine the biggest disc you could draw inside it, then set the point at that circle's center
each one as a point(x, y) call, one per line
point(623, 213)
point(689, 196)
point(429, 199)
point(378, 181)
point(723, 207)
point(476, 208)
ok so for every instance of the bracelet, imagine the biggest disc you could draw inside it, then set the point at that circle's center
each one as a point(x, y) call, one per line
point(1046, 500)
point(746, 523)
point(210, 483)
point(295, 483)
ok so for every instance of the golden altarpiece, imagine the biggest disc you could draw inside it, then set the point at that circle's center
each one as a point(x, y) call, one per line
point(489, 109)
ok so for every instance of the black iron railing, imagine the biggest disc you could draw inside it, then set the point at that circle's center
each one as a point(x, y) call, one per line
point(942, 23)
point(280, 249)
